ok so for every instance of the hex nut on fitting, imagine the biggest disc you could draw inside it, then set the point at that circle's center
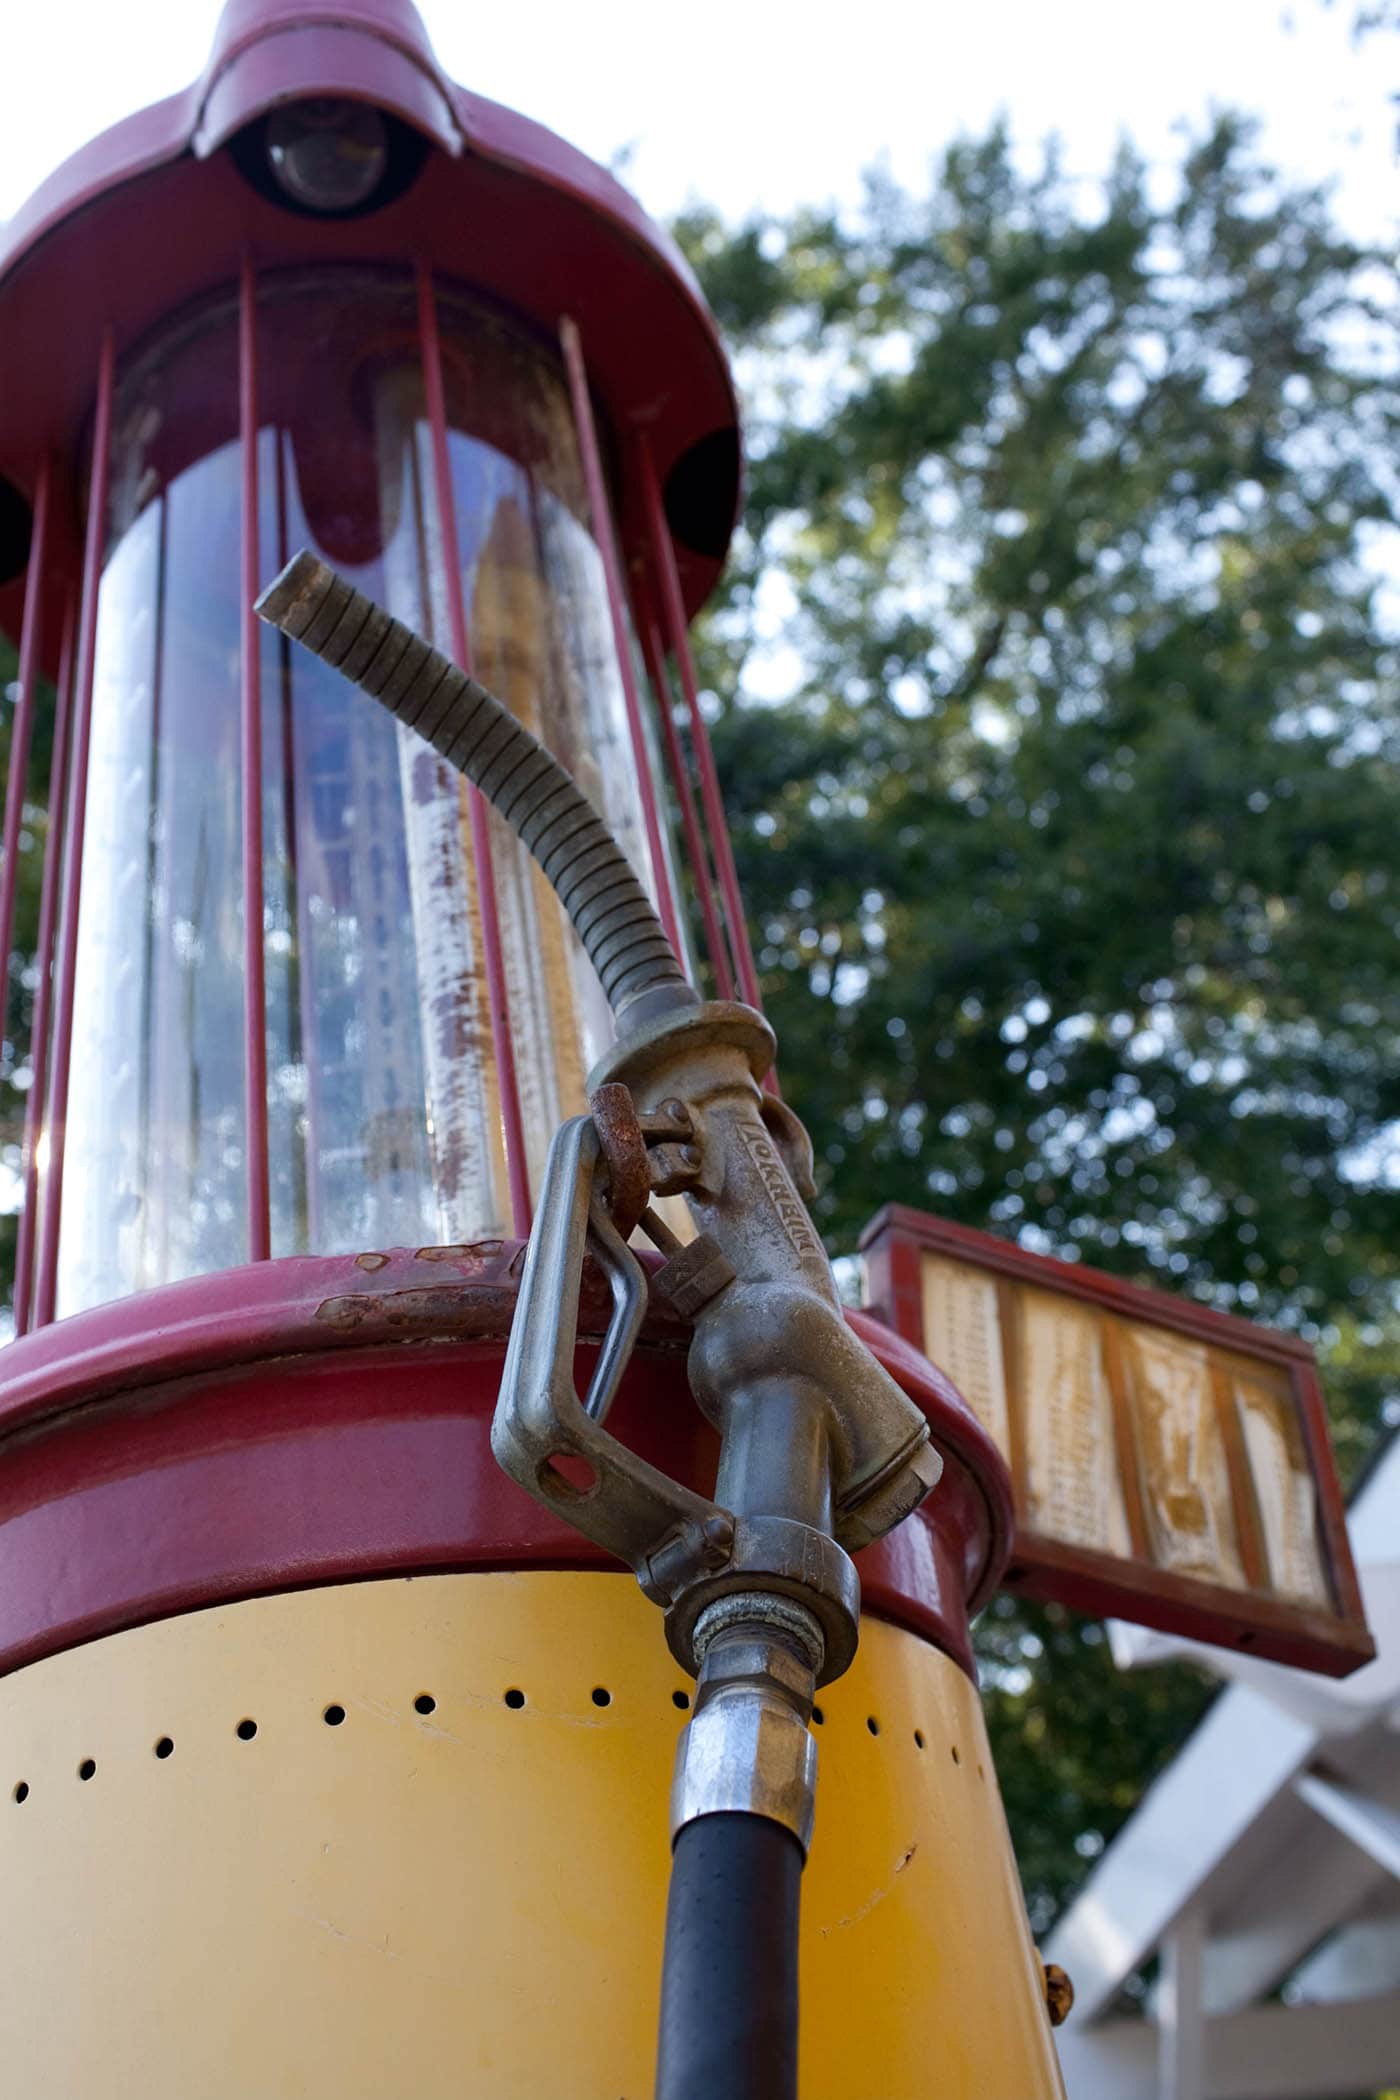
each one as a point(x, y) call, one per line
point(747, 1749)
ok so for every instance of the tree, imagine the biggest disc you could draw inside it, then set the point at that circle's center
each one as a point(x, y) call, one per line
point(1059, 735)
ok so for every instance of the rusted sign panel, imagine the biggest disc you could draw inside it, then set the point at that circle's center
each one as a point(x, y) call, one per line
point(1171, 1464)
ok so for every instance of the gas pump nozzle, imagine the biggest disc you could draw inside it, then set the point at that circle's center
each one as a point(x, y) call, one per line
point(821, 1452)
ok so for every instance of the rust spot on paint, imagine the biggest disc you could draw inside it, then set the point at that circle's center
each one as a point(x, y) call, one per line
point(477, 1252)
point(434, 1309)
point(467, 1293)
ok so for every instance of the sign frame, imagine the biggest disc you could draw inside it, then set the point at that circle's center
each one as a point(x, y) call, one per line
point(1104, 1584)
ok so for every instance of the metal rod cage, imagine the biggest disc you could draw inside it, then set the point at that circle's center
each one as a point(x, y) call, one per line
point(652, 612)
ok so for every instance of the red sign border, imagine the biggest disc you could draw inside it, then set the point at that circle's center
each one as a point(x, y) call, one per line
point(1332, 1643)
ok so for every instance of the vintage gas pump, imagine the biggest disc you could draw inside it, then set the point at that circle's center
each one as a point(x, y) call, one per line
point(331, 1762)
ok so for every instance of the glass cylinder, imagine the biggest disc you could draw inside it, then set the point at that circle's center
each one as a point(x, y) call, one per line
point(384, 1118)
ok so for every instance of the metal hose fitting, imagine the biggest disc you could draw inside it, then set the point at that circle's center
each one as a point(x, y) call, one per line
point(741, 1823)
point(747, 1749)
point(477, 734)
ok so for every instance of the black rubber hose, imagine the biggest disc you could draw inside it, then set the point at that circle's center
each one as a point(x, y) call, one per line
point(476, 733)
point(729, 1980)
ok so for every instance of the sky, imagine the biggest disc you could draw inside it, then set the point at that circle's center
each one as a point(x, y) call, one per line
point(767, 104)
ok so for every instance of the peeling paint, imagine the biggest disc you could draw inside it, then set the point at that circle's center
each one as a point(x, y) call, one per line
point(353, 1939)
point(475, 1251)
point(877, 1897)
point(479, 1310)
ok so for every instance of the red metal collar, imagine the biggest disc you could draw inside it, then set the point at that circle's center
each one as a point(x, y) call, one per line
point(327, 1419)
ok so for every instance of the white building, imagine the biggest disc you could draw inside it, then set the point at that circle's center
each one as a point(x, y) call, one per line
point(1263, 1867)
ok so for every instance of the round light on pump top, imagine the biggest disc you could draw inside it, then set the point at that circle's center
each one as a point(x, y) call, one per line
point(329, 156)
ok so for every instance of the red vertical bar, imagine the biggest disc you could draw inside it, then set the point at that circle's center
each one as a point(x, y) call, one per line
point(254, 975)
point(601, 512)
point(673, 609)
point(22, 728)
point(43, 992)
point(517, 1172)
point(894, 1283)
point(690, 816)
point(306, 990)
point(67, 965)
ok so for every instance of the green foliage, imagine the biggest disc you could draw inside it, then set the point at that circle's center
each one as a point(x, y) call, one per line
point(1074, 1740)
point(1059, 734)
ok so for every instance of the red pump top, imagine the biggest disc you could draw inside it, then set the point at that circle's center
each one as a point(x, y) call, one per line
point(159, 211)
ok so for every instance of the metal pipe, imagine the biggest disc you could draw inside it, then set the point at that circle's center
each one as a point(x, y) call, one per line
point(673, 612)
point(601, 513)
point(47, 1286)
point(22, 726)
point(43, 991)
point(690, 816)
point(493, 954)
point(254, 963)
point(776, 1457)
